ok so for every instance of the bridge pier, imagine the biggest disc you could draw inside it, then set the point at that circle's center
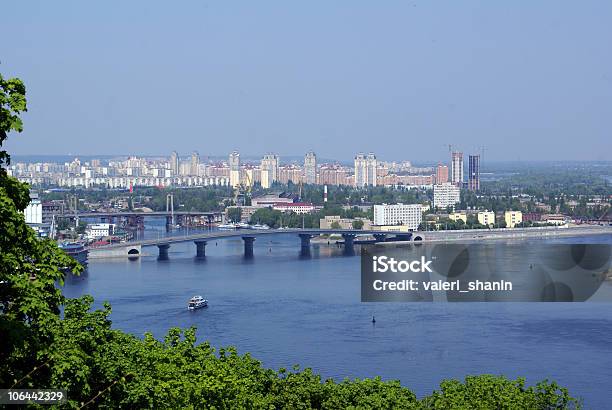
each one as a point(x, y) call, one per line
point(305, 244)
point(200, 248)
point(380, 237)
point(248, 246)
point(163, 251)
point(349, 240)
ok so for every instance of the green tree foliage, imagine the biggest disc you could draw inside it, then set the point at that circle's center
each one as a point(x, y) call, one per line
point(103, 367)
point(357, 224)
point(12, 103)
point(509, 394)
point(202, 199)
point(276, 219)
point(234, 214)
point(549, 183)
point(346, 195)
point(29, 268)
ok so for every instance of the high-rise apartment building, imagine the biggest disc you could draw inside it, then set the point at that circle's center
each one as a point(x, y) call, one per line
point(457, 168)
point(474, 172)
point(195, 163)
point(360, 170)
point(310, 168)
point(265, 179)
point(174, 163)
point(332, 175)
point(269, 170)
point(365, 170)
point(290, 173)
point(441, 174)
point(372, 165)
point(234, 166)
point(445, 195)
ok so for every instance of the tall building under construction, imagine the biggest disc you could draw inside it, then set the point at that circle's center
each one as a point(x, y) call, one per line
point(474, 172)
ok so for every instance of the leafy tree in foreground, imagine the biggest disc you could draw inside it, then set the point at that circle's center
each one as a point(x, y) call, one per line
point(103, 367)
point(29, 268)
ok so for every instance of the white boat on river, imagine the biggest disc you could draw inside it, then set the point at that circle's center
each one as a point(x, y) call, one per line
point(197, 302)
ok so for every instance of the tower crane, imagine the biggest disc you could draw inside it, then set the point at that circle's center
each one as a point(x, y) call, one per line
point(243, 189)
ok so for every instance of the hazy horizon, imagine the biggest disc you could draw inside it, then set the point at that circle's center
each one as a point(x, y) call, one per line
point(289, 159)
point(527, 81)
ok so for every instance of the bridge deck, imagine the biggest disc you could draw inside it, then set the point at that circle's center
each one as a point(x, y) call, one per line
point(249, 232)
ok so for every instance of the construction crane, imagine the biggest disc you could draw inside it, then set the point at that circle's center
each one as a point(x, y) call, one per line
point(243, 189)
point(300, 188)
point(249, 185)
point(170, 208)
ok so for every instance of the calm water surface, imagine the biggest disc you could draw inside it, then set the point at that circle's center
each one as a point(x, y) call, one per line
point(285, 310)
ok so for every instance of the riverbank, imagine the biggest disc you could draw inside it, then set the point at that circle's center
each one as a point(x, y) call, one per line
point(512, 233)
point(489, 234)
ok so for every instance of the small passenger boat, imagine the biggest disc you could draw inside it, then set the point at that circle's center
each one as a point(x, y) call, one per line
point(197, 302)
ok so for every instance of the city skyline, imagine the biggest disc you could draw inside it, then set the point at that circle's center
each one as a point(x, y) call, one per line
point(407, 79)
point(367, 170)
point(292, 158)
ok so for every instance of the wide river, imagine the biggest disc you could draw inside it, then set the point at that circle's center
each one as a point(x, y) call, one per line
point(287, 310)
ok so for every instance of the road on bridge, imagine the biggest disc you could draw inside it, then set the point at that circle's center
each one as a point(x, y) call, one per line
point(251, 233)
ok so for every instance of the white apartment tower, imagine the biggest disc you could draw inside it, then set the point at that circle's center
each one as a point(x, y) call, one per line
point(371, 169)
point(310, 168)
point(234, 166)
point(174, 163)
point(195, 163)
point(365, 170)
point(269, 170)
point(360, 170)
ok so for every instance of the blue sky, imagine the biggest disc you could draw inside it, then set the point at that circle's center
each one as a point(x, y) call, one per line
point(527, 80)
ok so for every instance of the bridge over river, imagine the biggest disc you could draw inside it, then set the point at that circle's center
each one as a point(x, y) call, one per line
point(133, 249)
point(143, 214)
